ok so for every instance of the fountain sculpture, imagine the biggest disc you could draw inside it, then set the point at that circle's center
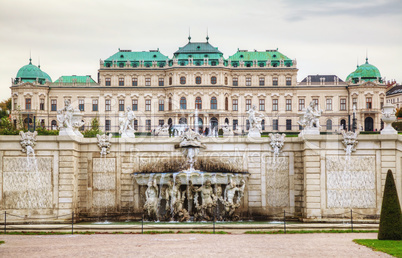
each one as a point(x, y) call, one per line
point(162, 130)
point(227, 131)
point(350, 142)
point(310, 119)
point(28, 142)
point(388, 116)
point(192, 194)
point(70, 120)
point(104, 143)
point(126, 124)
point(277, 142)
point(254, 119)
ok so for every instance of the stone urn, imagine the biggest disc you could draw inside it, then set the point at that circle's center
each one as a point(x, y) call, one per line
point(388, 116)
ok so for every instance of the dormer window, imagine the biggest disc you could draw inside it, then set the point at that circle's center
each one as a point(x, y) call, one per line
point(121, 56)
point(213, 63)
point(121, 65)
point(198, 47)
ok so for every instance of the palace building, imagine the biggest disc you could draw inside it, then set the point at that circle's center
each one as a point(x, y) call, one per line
point(163, 90)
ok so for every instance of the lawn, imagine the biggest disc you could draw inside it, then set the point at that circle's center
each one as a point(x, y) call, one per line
point(392, 247)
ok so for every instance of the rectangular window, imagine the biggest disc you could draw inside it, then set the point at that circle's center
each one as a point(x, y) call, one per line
point(121, 81)
point(301, 104)
point(15, 104)
point(274, 105)
point(248, 81)
point(148, 105)
point(136, 124)
point(288, 81)
point(53, 105)
point(262, 104)
point(316, 102)
point(81, 104)
point(135, 105)
point(161, 122)
point(247, 124)
point(148, 125)
point(262, 81)
point(235, 105)
point(288, 124)
point(107, 82)
point(108, 105)
point(288, 105)
point(263, 124)
point(275, 124)
point(107, 125)
point(42, 104)
point(354, 101)
point(135, 82)
point(147, 81)
point(28, 104)
point(368, 102)
point(94, 105)
point(121, 104)
point(161, 82)
point(235, 82)
point(248, 104)
point(275, 81)
point(235, 123)
point(343, 105)
point(161, 105)
point(329, 104)
point(381, 103)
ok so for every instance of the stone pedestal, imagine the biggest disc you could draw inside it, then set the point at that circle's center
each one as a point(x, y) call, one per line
point(254, 132)
point(128, 134)
point(310, 131)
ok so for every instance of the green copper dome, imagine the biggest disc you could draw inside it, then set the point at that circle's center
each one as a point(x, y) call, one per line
point(365, 72)
point(31, 73)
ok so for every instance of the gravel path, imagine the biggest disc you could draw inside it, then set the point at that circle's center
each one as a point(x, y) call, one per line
point(187, 245)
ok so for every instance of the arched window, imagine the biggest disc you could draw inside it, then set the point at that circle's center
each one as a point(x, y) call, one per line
point(183, 103)
point(329, 124)
point(170, 104)
point(214, 103)
point(198, 103)
point(170, 80)
point(213, 80)
point(54, 125)
point(226, 120)
point(343, 124)
point(182, 80)
point(226, 103)
point(183, 121)
point(198, 80)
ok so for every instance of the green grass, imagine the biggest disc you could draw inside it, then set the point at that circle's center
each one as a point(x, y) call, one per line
point(392, 247)
point(311, 231)
point(2, 242)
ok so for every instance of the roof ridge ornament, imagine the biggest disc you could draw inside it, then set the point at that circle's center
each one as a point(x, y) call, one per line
point(189, 36)
point(207, 36)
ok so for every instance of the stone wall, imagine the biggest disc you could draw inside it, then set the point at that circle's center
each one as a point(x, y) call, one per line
point(311, 179)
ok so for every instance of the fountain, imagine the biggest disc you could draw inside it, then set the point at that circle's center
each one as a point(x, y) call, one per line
point(192, 194)
point(350, 142)
point(277, 142)
point(104, 143)
point(28, 142)
point(162, 130)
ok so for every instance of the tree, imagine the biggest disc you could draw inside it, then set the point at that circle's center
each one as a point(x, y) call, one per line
point(94, 129)
point(5, 107)
point(391, 217)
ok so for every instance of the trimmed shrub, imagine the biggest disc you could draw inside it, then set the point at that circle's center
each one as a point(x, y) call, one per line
point(391, 217)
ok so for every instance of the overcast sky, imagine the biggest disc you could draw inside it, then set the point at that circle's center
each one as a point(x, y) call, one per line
point(326, 37)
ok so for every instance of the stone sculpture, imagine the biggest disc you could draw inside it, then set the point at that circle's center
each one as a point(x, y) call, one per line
point(310, 119)
point(70, 120)
point(104, 143)
point(126, 124)
point(151, 203)
point(191, 144)
point(277, 142)
point(174, 202)
point(205, 210)
point(254, 119)
point(388, 116)
point(227, 131)
point(229, 195)
point(162, 130)
point(28, 142)
point(349, 140)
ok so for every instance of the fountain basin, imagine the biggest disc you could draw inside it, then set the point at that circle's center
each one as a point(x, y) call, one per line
point(196, 177)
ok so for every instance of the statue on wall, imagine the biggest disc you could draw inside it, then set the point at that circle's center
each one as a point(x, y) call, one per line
point(70, 120)
point(162, 130)
point(28, 142)
point(229, 198)
point(277, 142)
point(254, 119)
point(310, 119)
point(104, 143)
point(126, 124)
